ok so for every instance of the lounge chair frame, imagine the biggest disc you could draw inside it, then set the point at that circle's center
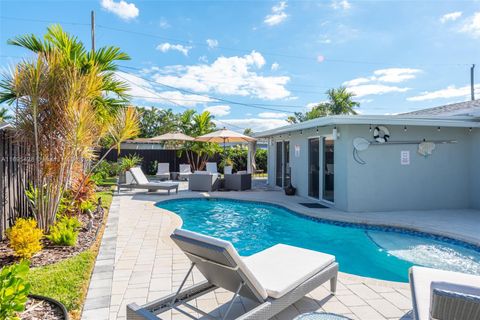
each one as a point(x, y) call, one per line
point(265, 310)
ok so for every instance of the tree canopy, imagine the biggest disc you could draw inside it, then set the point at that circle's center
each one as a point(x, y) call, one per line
point(340, 101)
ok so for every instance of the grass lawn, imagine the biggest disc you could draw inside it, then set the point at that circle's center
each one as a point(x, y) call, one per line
point(67, 281)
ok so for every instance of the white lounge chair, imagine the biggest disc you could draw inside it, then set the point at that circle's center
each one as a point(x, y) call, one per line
point(211, 167)
point(445, 295)
point(143, 183)
point(185, 172)
point(227, 170)
point(274, 278)
point(163, 171)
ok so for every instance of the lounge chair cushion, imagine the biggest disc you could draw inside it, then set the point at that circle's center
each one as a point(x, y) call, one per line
point(422, 281)
point(163, 168)
point(185, 168)
point(233, 260)
point(139, 176)
point(211, 167)
point(281, 268)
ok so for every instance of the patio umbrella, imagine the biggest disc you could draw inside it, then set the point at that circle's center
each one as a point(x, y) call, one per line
point(225, 136)
point(173, 136)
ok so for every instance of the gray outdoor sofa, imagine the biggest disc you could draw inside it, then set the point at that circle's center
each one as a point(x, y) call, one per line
point(444, 295)
point(203, 181)
point(274, 278)
point(141, 182)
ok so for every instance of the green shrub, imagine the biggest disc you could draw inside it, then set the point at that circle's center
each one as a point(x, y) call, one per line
point(261, 159)
point(25, 238)
point(65, 231)
point(14, 290)
point(105, 169)
point(152, 168)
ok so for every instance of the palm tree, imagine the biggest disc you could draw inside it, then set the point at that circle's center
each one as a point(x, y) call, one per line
point(73, 52)
point(4, 116)
point(341, 101)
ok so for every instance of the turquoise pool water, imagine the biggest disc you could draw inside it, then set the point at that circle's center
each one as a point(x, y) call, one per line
point(374, 252)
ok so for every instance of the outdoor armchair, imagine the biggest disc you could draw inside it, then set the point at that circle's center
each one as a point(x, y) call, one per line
point(203, 181)
point(274, 278)
point(445, 295)
point(163, 171)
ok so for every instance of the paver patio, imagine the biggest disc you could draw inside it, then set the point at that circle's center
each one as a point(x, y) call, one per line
point(138, 263)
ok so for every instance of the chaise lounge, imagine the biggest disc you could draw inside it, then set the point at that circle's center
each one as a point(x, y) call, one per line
point(184, 172)
point(143, 183)
point(163, 171)
point(444, 295)
point(275, 278)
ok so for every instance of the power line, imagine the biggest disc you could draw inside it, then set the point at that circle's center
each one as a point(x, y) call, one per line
point(177, 104)
point(207, 96)
point(345, 61)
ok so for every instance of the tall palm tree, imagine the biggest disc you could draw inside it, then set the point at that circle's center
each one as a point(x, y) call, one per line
point(73, 52)
point(341, 101)
point(4, 116)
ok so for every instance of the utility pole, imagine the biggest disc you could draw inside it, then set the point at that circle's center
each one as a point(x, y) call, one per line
point(93, 30)
point(472, 81)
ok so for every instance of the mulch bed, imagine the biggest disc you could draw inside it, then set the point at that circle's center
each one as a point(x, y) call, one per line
point(53, 253)
point(36, 309)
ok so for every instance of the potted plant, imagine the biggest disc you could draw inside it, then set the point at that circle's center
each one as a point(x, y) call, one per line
point(126, 163)
point(226, 162)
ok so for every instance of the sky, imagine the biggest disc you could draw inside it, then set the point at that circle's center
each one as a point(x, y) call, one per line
point(254, 63)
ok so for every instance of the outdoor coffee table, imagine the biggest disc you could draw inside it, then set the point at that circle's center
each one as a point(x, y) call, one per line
point(320, 316)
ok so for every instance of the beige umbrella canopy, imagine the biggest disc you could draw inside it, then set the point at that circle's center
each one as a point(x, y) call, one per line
point(225, 136)
point(173, 136)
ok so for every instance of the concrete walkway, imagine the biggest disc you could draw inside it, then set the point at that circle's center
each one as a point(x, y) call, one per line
point(147, 264)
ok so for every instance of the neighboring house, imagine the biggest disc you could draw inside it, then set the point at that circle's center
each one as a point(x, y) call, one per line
point(319, 158)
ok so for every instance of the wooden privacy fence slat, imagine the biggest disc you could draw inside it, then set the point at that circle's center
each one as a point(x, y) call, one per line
point(15, 173)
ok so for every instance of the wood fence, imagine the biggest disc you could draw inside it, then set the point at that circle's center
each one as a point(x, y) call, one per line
point(16, 172)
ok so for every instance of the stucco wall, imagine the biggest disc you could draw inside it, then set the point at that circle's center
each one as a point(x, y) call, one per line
point(448, 179)
point(475, 169)
point(440, 181)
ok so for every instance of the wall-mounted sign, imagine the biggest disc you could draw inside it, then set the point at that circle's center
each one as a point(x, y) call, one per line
point(297, 151)
point(405, 158)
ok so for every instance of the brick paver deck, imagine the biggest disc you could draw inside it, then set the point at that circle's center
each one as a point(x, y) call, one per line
point(138, 263)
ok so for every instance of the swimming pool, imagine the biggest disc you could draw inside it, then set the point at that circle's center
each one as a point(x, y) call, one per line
point(376, 252)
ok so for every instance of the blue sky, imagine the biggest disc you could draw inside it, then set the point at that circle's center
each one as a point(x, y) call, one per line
point(267, 59)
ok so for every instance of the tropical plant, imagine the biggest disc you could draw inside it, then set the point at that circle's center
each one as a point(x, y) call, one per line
point(248, 132)
point(14, 290)
point(154, 121)
point(24, 238)
point(261, 159)
point(66, 106)
point(65, 231)
point(194, 124)
point(340, 101)
point(4, 116)
point(129, 161)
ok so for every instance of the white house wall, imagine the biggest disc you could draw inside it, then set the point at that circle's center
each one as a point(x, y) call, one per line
point(475, 169)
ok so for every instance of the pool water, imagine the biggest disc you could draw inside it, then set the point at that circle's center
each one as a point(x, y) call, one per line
point(366, 251)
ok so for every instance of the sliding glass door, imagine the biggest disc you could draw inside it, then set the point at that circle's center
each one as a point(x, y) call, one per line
point(328, 170)
point(279, 165)
point(282, 165)
point(314, 167)
point(286, 163)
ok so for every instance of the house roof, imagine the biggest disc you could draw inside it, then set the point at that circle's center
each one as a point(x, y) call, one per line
point(455, 109)
point(429, 121)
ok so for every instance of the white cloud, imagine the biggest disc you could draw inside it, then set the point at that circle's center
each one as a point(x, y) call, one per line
point(379, 82)
point(275, 66)
point(143, 90)
point(374, 89)
point(164, 23)
point(123, 9)
point(203, 59)
point(452, 16)
point(278, 14)
point(218, 111)
point(396, 75)
point(448, 92)
point(235, 75)
point(273, 115)
point(256, 124)
point(165, 47)
point(212, 43)
point(341, 5)
point(472, 25)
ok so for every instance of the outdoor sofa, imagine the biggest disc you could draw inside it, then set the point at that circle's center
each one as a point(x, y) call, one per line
point(141, 182)
point(184, 172)
point(444, 295)
point(203, 181)
point(163, 171)
point(238, 181)
point(274, 278)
